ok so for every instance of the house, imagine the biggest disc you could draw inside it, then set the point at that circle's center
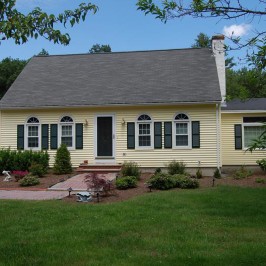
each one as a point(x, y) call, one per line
point(150, 107)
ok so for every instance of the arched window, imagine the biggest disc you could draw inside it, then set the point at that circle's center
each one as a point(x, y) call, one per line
point(182, 131)
point(33, 133)
point(66, 131)
point(144, 131)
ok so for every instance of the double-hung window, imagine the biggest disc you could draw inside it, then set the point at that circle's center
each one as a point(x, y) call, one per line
point(66, 128)
point(181, 131)
point(252, 129)
point(33, 133)
point(144, 131)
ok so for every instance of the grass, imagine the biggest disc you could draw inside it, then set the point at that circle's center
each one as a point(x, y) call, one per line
point(219, 226)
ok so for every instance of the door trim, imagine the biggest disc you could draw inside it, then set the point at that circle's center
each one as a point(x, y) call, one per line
point(104, 159)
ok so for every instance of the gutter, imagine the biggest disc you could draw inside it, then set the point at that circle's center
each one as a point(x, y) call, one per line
point(108, 105)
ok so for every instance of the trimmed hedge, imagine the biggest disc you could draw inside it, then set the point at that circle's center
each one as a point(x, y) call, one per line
point(166, 181)
point(126, 182)
point(22, 160)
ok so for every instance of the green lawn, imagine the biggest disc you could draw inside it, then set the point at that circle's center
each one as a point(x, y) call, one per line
point(217, 226)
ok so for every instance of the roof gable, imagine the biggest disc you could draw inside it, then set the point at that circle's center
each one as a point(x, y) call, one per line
point(127, 78)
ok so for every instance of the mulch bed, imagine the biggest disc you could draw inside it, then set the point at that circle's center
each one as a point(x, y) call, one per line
point(45, 182)
point(123, 195)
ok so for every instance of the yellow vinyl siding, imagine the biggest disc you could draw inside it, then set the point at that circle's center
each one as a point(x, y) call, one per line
point(230, 156)
point(206, 114)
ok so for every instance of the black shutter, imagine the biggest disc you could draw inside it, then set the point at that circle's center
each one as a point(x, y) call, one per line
point(238, 137)
point(20, 137)
point(168, 135)
point(131, 135)
point(45, 129)
point(53, 136)
point(195, 134)
point(157, 135)
point(79, 136)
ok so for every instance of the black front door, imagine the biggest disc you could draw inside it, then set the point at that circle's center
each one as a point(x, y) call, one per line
point(104, 136)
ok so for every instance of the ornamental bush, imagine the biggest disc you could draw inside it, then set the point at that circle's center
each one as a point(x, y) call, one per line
point(22, 160)
point(126, 182)
point(262, 164)
point(176, 167)
point(38, 170)
point(29, 180)
point(130, 169)
point(242, 173)
point(62, 163)
point(166, 181)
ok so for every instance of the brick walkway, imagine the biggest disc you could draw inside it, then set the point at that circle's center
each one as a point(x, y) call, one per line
point(77, 183)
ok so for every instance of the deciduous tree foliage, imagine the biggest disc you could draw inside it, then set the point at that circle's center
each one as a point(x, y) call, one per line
point(20, 27)
point(9, 70)
point(220, 9)
point(97, 48)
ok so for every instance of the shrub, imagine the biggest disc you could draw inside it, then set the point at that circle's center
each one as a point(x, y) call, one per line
point(183, 181)
point(260, 180)
point(242, 173)
point(217, 174)
point(158, 171)
point(97, 183)
point(126, 182)
point(29, 180)
point(262, 164)
point(62, 163)
point(166, 181)
point(130, 169)
point(37, 170)
point(161, 181)
point(175, 167)
point(19, 174)
point(22, 160)
point(199, 174)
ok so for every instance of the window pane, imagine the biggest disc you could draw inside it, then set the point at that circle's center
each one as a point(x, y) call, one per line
point(144, 129)
point(144, 141)
point(251, 133)
point(33, 142)
point(67, 141)
point(33, 131)
point(67, 131)
point(181, 140)
point(181, 128)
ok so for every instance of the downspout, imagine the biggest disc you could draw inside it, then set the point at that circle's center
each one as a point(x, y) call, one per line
point(218, 137)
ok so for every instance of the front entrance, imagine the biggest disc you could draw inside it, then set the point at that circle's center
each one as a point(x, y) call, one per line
point(105, 136)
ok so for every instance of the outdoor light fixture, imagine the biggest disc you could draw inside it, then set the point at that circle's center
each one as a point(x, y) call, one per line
point(123, 122)
point(86, 122)
point(69, 191)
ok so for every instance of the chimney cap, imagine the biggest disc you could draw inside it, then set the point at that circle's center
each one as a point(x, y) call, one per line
point(218, 37)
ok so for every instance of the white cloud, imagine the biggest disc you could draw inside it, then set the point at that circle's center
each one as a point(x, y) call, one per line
point(236, 30)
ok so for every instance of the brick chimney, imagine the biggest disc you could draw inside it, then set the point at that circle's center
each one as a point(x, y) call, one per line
point(218, 49)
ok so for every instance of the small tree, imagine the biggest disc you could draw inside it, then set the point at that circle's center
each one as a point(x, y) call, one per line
point(62, 163)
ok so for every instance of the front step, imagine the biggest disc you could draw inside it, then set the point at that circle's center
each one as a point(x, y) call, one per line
point(102, 168)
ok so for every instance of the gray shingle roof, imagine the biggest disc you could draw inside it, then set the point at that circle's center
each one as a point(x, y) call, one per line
point(251, 104)
point(130, 78)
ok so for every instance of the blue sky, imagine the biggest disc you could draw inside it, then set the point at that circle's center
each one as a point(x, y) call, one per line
point(119, 24)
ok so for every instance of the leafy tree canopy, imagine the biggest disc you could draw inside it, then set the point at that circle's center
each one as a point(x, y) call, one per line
point(20, 27)
point(9, 70)
point(43, 52)
point(97, 48)
point(221, 9)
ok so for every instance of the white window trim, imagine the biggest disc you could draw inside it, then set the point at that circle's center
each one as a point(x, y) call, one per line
point(188, 122)
point(151, 133)
point(73, 132)
point(243, 132)
point(26, 136)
